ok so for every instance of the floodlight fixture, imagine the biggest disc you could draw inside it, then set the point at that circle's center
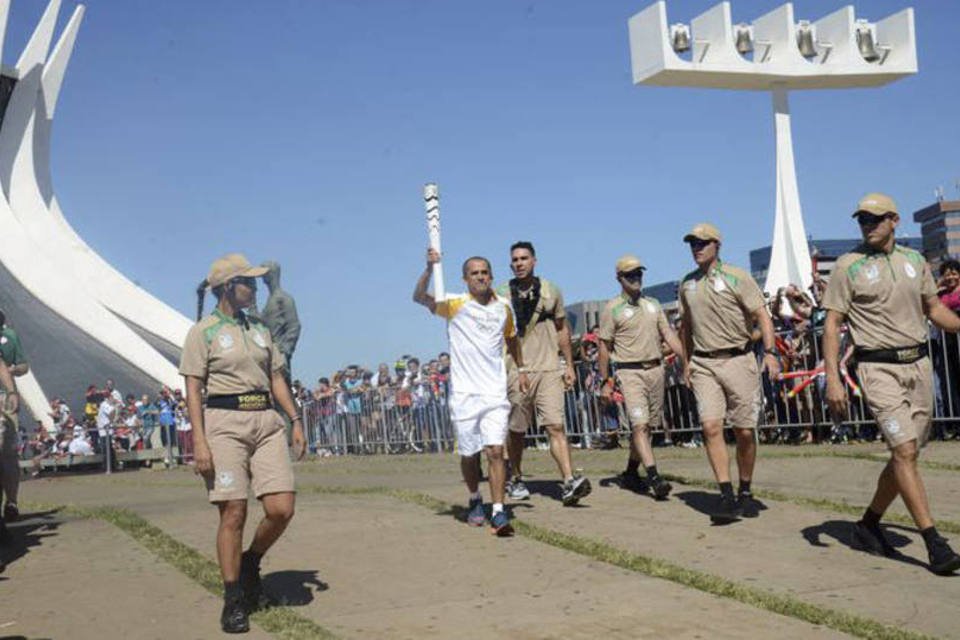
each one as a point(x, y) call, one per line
point(837, 51)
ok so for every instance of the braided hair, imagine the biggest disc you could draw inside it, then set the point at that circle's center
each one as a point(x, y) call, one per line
point(201, 291)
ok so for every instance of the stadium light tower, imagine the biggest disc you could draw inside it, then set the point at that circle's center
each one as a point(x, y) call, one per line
point(774, 53)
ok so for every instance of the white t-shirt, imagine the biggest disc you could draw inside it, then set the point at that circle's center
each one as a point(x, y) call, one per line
point(105, 415)
point(476, 333)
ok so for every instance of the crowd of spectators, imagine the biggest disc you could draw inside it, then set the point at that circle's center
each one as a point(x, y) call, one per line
point(128, 423)
point(403, 407)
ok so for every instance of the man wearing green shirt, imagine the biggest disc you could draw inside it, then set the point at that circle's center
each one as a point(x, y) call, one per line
point(12, 353)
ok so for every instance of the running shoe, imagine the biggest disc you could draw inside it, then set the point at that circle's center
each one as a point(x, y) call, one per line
point(943, 560)
point(254, 598)
point(871, 540)
point(517, 490)
point(748, 506)
point(500, 525)
point(661, 489)
point(233, 618)
point(475, 515)
point(727, 511)
point(574, 490)
point(10, 512)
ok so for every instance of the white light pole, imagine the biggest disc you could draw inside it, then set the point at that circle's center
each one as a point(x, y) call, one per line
point(778, 54)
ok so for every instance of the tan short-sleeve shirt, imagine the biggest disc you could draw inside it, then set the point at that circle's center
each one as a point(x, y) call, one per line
point(634, 328)
point(539, 343)
point(882, 296)
point(229, 357)
point(719, 307)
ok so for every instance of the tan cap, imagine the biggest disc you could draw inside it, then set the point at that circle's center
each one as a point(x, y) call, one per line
point(629, 263)
point(876, 203)
point(232, 265)
point(703, 231)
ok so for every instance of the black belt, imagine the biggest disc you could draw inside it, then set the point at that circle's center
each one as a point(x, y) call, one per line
point(898, 355)
point(251, 401)
point(644, 364)
point(723, 353)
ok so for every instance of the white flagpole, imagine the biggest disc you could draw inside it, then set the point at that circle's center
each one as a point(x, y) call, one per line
point(431, 199)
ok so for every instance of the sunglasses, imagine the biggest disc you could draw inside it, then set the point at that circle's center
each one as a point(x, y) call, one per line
point(870, 220)
point(246, 281)
point(633, 276)
point(697, 244)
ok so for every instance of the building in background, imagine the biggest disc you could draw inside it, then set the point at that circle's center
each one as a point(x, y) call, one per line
point(939, 230)
point(824, 252)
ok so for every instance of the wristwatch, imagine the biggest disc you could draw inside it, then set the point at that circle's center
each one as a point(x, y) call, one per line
point(772, 351)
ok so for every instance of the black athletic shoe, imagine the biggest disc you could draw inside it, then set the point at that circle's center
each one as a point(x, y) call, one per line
point(943, 560)
point(872, 540)
point(748, 506)
point(727, 511)
point(234, 619)
point(661, 489)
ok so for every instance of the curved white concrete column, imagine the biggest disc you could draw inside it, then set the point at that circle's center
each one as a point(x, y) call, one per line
point(26, 256)
point(29, 188)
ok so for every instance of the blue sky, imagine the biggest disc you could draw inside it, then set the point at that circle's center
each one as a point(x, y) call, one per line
point(304, 131)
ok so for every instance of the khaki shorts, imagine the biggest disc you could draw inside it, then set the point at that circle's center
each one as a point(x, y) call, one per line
point(728, 388)
point(249, 449)
point(900, 396)
point(642, 394)
point(545, 397)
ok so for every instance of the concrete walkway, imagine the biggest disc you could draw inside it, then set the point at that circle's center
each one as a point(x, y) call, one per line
point(368, 565)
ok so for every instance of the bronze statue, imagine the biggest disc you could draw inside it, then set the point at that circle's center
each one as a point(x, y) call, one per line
point(280, 315)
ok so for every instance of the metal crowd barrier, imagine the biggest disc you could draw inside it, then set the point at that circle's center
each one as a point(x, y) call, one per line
point(793, 409)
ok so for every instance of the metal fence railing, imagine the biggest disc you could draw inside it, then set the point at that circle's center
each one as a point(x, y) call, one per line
point(382, 420)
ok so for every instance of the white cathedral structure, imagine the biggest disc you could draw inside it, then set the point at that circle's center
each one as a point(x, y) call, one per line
point(80, 320)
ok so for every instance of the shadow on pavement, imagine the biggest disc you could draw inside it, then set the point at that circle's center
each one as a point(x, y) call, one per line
point(842, 532)
point(706, 503)
point(293, 588)
point(27, 532)
point(640, 488)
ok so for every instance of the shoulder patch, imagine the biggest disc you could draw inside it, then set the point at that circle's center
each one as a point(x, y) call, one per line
point(912, 255)
point(854, 267)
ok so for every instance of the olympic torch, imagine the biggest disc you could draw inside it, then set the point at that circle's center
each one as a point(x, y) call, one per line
point(431, 200)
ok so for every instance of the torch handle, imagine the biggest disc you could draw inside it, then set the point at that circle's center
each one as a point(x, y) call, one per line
point(431, 200)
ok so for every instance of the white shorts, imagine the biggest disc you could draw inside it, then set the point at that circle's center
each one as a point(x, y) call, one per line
point(481, 421)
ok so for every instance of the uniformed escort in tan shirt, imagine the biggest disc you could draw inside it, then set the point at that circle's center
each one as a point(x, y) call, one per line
point(718, 307)
point(632, 329)
point(232, 358)
point(886, 293)
point(541, 358)
point(541, 327)
point(882, 297)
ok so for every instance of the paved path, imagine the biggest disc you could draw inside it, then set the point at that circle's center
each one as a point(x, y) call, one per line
point(369, 565)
